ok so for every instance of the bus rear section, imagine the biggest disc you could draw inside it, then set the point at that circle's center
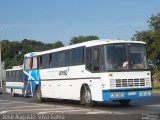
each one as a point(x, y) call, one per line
point(14, 81)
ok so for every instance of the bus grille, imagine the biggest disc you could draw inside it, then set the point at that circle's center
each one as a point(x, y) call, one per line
point(130, 82)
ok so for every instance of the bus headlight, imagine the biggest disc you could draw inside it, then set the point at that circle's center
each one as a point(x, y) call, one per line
point(145, 93)
point(117, 94)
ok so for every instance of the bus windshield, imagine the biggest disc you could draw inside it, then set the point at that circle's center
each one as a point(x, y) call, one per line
point(124, 57)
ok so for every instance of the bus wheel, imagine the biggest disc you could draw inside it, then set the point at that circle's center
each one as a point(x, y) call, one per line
point(38, 95)
point(87, 96)
point(12, 93)
point(124, 102)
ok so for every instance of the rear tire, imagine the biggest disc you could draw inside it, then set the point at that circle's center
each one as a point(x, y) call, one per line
point(124, 102)
point(86, 98)
point(38, 95)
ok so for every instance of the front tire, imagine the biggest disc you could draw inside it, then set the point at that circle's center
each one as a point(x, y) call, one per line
point(87, 97)
point(38, 95)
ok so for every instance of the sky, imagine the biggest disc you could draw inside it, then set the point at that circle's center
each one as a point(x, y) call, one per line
point(60, 20)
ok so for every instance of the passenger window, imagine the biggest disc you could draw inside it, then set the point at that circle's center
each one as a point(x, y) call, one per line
point(34, 62)
point(73, 56)
point(62, 59)
point(27, 63)
point(89, 59)
point(80, 55)
point(7, 76)
point(17, 76)
point(50, 60)
point(45, 63)
point(93, 59)
point(55, 59)
point(96, 59)
point(21, 75)
point(77, 56)
point(67, 57)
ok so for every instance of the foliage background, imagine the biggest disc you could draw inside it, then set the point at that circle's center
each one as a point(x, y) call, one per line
point(14, 51)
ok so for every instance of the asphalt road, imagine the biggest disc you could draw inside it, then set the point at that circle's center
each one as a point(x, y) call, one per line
point(66, 109)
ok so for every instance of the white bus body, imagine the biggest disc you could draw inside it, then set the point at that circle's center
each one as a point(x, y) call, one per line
point(82, 72)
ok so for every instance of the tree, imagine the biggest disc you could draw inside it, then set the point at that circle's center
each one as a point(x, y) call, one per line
point(58, 44)
point(13, 51)
point(151, 37)
point(154, 22)
point(146, 36)
point(81, 39)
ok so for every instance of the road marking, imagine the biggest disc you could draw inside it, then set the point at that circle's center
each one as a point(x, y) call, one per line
point(3, 112)
point(67, 108)
point(29, 106)
point(40, 113)
point(100, 112)
point(11, 102)
point(17, 102)
point(3, 100)
point(61, 109)
point(5, 103)
point(156, 105)
point(65, 111)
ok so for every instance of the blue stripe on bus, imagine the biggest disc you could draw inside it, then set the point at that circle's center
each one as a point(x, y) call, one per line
point(15, 87)
point(106, 94)
point(128, 89)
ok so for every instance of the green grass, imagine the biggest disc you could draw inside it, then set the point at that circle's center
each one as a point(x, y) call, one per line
point(156, 85)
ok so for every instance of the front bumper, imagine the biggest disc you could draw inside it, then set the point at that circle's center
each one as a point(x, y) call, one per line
point(124, 94)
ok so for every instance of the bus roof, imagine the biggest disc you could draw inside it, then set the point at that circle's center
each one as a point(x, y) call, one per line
point(86, 44)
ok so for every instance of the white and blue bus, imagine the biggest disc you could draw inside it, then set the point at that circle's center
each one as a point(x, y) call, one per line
point(14, 81)
point(98, 70)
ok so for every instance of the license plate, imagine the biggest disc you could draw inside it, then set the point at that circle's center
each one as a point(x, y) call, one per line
point(131, 93)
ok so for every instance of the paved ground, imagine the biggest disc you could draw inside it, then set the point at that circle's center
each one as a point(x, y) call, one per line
point(136, 110)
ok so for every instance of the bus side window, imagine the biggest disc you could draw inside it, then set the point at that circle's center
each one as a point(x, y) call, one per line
point(39, 60)
point(89, 59)
point(62, 59)
point(17, 76)
point(80, 55)
point(13, 76)
point(55, 59)
point(45, 63)
point(27, 63)
point(50, 60)
point(67, 57)
point(96, 59)
point(31, 64)
point(34, 62)
point(7, 75)
point(73, 56)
